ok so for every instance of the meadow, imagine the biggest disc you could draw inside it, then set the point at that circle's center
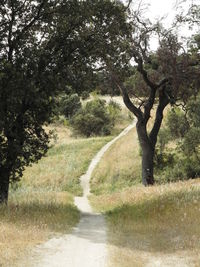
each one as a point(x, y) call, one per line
point(145, 224)
point(41, 204)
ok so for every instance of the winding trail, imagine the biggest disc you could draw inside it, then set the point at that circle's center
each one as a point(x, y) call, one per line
point(86, 245)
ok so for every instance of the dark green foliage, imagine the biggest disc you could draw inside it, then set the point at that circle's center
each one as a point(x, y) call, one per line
point(92, 119)
point(191, 142)
point(184, 128)
point(44, 46)
point(113, 111)
point(85, 95)
point(177, 123)
point(69, 105)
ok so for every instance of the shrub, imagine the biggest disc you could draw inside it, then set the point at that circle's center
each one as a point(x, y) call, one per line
point(85, 95)
point(69, 105)
point(177, 123)
point(183, 169)
point(184, 129)
point(113, 110)
point(92, 119)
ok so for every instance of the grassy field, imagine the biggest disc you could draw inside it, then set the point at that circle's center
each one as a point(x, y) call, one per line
point(119, 167)
point(157, 221)
point(64, 164)
point(41, 205)
point(145, 225)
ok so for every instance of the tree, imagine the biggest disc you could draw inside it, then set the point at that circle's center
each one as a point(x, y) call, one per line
point(44, 46)
point(170, 75)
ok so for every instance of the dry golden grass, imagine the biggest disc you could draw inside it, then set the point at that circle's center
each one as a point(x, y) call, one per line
point(41, 205)
point(119, 167)
point(159, 220)
point(144, 224)
point(30, 219)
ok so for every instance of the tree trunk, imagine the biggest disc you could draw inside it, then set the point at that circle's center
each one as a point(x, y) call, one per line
point(147, 154)
point(147, 166)
point(4, 186)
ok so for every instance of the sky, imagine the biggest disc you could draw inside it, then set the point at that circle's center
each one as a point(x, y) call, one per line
point(166, 9)
point(159, 8)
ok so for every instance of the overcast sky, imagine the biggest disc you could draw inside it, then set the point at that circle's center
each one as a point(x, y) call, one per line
point(160, 8)
point(166, 9)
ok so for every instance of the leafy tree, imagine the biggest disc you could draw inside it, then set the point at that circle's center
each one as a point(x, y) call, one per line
point(44, 45)
point(177, 123)
point(169, 75)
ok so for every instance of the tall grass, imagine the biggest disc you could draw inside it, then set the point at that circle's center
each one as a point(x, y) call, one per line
point(160, 220)
point(120, 166)
point(41, 205)
point(64, 164)
point(31, 218)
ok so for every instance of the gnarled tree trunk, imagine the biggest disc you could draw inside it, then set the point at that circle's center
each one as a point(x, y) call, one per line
point(147, 154)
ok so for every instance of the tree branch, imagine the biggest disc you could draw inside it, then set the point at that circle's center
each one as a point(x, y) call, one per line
point(129, 104)
point(163, 102)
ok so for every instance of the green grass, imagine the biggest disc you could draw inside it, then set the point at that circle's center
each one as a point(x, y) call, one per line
point(61, 169)
point(120, 166)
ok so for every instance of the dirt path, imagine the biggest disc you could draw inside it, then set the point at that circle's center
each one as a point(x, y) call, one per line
point(86, 245)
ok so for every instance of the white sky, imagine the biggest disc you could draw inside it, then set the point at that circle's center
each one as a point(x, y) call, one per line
point(166, 9)
point(160, 8)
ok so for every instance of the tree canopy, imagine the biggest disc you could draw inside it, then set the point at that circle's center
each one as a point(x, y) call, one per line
point(44, 46)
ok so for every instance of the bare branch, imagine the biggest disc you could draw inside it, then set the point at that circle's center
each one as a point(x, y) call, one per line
point(128, 5)
point(129, 104)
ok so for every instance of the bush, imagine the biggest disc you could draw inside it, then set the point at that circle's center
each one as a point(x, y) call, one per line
point(184, 163)
point(177, 123)
point(92, 119)
point(85, 95)
point(183, 169)
point(114, 111)
point(69, 105)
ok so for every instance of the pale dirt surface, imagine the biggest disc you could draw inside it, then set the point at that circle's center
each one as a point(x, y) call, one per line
point(86, 245)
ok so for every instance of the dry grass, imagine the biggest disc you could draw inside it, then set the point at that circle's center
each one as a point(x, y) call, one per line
point(41, 205)
point(119, 167)
point(145, 224)
point(64, 164)
point(30, 219)
point(160, 220)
